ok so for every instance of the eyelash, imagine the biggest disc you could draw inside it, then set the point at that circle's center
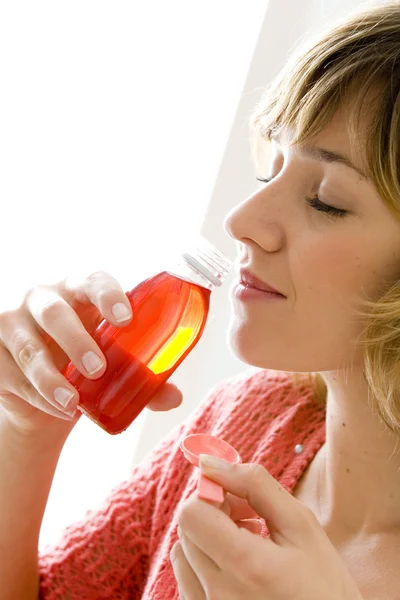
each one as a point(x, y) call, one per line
point(316, 202)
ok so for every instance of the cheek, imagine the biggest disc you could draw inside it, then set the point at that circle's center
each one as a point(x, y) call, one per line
point(330, 279)
point(331, 272)
point(344, 273)
point(314, 329)
point(326, 266)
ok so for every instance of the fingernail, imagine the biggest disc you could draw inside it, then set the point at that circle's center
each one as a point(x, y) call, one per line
point(213, 462)
point(121, 312)
point(63, 396)
point(92, 362)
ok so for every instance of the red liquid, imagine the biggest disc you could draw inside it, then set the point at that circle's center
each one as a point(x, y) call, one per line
point(169, 316)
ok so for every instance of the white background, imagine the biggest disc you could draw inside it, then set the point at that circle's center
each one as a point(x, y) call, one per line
point(123, 131)
point(113, 121)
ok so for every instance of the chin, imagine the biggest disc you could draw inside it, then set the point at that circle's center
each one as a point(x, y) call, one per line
point(247, 348)
point(251, 345)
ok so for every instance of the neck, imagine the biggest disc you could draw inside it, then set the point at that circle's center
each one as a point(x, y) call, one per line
point(359, 465)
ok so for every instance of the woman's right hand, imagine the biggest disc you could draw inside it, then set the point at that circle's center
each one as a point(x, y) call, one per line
point(52, 326)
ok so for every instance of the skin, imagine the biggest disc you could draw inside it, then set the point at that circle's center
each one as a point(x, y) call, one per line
point(216, 558)
point(323, 264)
point(50, 327)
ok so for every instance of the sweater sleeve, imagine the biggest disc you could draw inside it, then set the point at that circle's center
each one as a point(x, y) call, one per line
point(107, 554)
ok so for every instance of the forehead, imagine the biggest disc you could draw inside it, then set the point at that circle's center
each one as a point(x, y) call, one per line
point(341, 134)
point(336, 134)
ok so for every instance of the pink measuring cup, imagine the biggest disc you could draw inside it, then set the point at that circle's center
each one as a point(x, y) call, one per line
point(202, 443)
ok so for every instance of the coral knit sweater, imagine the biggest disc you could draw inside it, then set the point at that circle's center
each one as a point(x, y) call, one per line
point(121, 551)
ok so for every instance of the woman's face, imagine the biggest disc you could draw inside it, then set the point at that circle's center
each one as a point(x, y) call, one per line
point(321, 263)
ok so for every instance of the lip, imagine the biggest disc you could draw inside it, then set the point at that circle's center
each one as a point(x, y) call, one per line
point(251, 281)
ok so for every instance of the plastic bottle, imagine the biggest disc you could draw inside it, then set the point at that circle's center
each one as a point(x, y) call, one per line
point(169, 314)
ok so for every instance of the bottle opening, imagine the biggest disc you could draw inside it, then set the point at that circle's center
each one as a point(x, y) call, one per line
point(208, 260)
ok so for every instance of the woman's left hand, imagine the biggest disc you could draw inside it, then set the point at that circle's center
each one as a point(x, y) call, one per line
point(215, 559)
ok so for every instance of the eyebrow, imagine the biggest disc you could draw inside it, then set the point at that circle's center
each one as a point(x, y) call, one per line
point(327, 156)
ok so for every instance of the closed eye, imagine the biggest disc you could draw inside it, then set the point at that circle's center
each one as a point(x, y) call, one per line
point(317, 204)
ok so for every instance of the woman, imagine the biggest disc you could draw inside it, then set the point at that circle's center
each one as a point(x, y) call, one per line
point(320, 466)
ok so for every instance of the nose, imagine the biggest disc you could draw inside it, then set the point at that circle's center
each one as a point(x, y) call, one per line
point(253, 220)
point(228, 222)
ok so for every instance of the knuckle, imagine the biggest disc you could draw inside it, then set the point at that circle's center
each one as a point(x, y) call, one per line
point(51, 312)
point(96, 276)
point(105, 293)
point(8, 324)
point(256, 472)
point(185, 513)
point(4, 320)
point(26, 386)
point(101, 286)
point(5, 316)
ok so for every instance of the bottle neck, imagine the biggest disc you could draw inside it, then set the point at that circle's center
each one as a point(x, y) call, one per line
point(180, 268)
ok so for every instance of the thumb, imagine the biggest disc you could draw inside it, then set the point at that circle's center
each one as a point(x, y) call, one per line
point(263, 492)
point(166, 398)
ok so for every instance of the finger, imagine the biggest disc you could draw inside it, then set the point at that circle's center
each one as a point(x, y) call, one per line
point(188, 583)
point(57, 318)
point(20, 394)
point(166, 398)
point(204, 569)
point(102, 290)
point(236, 508)
point(239, 508)
point(281, 511)
point(25, 408)
point(215, 534)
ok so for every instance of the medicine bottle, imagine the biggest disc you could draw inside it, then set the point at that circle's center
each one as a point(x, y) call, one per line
point(169, 314)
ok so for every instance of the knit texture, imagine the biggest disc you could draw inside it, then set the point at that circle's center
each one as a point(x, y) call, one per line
point(121, 551)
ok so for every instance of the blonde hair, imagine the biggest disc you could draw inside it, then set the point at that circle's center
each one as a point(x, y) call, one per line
point(359, 54)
